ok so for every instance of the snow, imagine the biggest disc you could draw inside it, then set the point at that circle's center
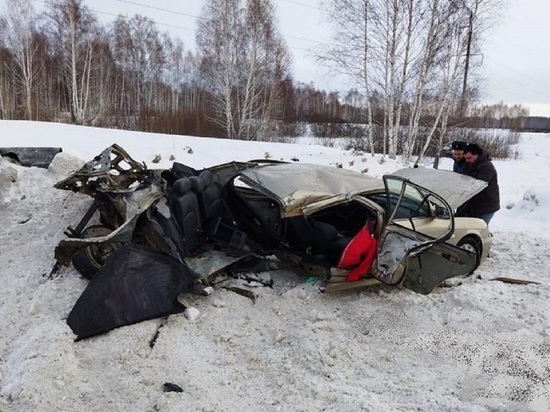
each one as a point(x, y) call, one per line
point(480, 345)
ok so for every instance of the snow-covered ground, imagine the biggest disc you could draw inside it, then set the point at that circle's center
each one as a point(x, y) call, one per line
point(481, 345)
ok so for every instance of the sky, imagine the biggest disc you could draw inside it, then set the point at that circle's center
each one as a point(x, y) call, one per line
point(515, 58)
point(478, 345)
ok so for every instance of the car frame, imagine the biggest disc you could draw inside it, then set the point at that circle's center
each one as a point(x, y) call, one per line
point(164, 232)
point(292, 197)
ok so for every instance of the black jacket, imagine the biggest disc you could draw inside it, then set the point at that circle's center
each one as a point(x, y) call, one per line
point(488, 200)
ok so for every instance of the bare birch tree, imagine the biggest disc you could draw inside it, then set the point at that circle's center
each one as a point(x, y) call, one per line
point(4, 81)
point(351, 52)
point(396, 49)
point(138, 49)
point(21, 21)
point(434, 34)
point(174, 71)
point(266, 64)
point(74, 30)
point(372, 46)
point(243, 60)
point(192, 83)
point(219, 41)
point(464, 22)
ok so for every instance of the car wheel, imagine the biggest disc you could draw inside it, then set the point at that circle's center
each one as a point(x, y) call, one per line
point(471, 244)
point(90, 259)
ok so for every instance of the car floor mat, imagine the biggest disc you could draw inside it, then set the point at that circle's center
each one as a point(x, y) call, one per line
point(134, 285)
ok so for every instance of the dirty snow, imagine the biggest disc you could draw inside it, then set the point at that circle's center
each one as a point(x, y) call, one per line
point(480, 345)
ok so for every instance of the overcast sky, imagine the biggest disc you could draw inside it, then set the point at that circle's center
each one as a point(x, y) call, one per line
point(515, 59)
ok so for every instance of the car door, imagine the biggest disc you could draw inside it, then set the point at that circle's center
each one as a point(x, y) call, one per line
point(416, 260)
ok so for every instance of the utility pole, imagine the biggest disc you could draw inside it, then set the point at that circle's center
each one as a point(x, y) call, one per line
point(464, 105)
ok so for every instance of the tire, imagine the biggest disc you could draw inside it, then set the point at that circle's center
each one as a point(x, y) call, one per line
point(471, 244)
point(84, 262)
point(90, 259)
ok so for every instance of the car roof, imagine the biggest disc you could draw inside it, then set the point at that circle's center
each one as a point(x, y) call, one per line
point(454, 187)
point(296, 185)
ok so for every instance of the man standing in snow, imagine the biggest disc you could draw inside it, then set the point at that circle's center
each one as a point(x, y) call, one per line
point(457, 148)
point(487, 202)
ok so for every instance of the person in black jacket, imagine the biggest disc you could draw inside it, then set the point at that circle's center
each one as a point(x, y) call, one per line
point(487, 202)
point(457, 148)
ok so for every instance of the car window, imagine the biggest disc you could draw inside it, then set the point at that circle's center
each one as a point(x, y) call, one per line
point(414, 204)
point(419, 209)
point(347, 217)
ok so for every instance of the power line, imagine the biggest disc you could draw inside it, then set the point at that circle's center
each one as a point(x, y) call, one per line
point(175, 12)
point(301, 4)
point(522, 86)
point(198, 17)
point(179, 13)
point(523, 75)
point(119, 14)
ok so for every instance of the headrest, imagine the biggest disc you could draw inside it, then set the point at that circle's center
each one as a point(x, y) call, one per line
point(207, 176)
point(181, 186)
point(197, 183)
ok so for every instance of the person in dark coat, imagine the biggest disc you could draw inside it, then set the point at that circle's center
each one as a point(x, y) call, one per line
point(479, 165)
point(457, 148)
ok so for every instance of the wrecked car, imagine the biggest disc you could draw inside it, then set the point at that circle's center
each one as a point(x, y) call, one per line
point(152, 234)
point(313, 214)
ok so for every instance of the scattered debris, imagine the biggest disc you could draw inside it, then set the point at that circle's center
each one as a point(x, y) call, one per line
point(30, 156)
point(514, 281)
point(172, 387)
point(447, 284)
point(243, 292)
point(192, 313)
point(153, 340)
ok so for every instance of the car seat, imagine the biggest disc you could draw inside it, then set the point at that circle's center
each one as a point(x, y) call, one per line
point(185, 208)
point(328, 242)
point(215, 221)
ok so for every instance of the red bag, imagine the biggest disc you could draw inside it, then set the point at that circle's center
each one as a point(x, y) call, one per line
point(359, 255)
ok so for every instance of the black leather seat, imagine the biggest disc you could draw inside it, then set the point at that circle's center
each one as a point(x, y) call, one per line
point(209, 195)
point(329, 242)
point(186, 210)
point(216, 221)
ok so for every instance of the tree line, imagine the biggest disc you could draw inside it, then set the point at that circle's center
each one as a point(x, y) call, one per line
point(407, 59)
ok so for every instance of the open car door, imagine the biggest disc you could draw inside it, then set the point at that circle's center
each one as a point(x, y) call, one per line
point(417, 261)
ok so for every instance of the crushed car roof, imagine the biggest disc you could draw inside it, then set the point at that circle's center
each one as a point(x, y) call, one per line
point(309, 183)
point(454, 187)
